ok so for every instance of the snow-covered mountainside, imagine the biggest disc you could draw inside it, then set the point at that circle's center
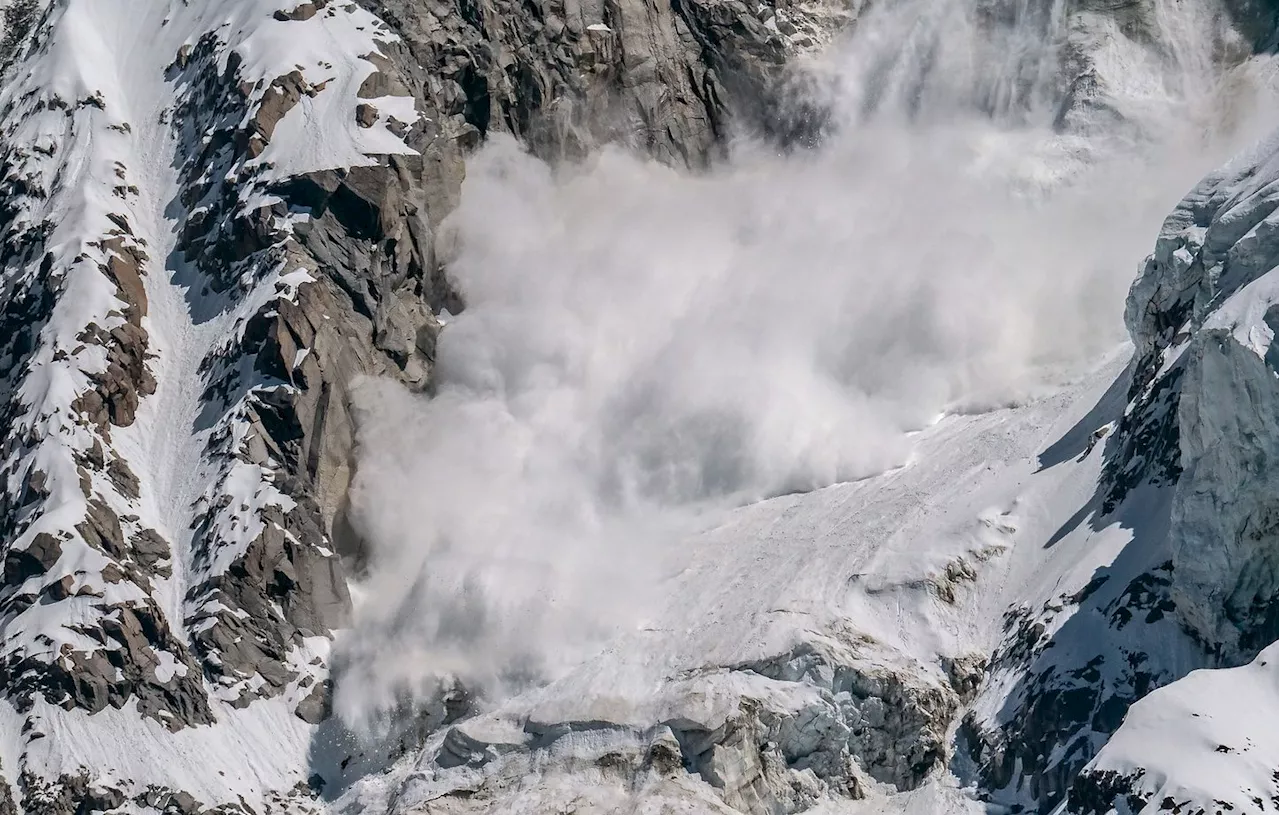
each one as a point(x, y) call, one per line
point(638, 406)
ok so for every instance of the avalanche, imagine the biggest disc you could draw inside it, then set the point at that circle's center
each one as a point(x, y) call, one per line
point(753, 430)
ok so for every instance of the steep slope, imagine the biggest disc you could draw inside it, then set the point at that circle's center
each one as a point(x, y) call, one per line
point(157, 563)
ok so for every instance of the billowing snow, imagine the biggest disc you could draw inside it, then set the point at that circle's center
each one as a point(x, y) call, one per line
point(854, 558)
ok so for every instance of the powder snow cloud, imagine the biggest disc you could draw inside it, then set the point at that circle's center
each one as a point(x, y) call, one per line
point(641, 343)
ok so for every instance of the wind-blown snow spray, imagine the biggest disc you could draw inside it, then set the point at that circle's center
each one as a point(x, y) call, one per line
point(640, 343)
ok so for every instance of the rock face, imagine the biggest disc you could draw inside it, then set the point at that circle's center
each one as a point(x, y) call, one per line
point(665, 78)
point(82, 625)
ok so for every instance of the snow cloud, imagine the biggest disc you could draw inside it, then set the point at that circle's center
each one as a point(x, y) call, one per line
point(640, 344)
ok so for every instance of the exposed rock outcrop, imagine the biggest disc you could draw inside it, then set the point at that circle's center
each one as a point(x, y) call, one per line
point(80, 622)
point(666, 79)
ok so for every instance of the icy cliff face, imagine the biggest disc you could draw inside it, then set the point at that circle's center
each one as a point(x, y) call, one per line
point(1203, 319)
point(1203, 421)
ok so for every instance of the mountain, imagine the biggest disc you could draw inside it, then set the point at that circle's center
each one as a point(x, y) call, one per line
point(479, 406)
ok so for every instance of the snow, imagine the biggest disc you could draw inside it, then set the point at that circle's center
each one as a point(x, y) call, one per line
point(852, 560)
point(249, 752)
point(169, 667)
point(1242, 315)
point(321, 132)
point(1209, 739)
